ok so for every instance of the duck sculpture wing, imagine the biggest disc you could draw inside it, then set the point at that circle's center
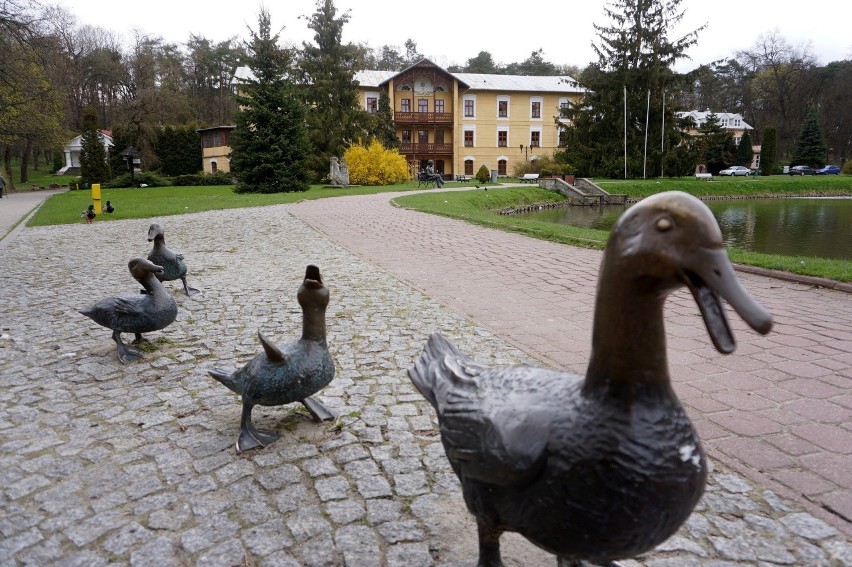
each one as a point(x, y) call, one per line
point(491, 433)
point(273, 353)
point(128, 306)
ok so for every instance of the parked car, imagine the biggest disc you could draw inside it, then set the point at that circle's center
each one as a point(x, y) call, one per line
point(736, 170)
point(801, 170)
point(828, 170)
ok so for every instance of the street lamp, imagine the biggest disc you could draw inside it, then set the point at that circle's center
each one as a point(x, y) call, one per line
point(527, 150)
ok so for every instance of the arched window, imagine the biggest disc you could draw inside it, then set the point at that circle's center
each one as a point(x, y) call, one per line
point(213, 167)
point(468, 167)
point(501, 167)
point(405, 87)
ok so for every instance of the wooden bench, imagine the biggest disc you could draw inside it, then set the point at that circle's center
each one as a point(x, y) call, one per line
point(529, 178)
point(423, 180)
point(707, 176)
point(464, 178)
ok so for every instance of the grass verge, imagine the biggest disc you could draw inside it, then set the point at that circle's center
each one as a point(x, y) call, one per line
point(480, 207)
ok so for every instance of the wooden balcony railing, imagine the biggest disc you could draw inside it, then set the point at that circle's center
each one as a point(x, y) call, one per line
point(423, 117)
point(425, 149)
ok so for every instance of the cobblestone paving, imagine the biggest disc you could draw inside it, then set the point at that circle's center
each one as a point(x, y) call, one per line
point(104, 464)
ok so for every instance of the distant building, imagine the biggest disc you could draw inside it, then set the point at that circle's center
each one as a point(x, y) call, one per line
point(74, 149)
point(215, 149)
point(463, 121)
point(732, 122)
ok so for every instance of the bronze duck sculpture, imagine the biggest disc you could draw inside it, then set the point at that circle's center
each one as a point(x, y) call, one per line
point(173, 265)
point(279, 376)
point(603, 466)
point(137, 314)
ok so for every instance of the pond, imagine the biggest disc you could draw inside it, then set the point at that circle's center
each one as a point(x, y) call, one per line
point(820, 227)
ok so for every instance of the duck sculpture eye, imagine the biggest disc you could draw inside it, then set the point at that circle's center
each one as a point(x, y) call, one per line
point(664, 224)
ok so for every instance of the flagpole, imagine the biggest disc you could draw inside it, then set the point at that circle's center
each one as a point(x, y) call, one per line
point(625, 131)
point(663, 138)
point(647, 116)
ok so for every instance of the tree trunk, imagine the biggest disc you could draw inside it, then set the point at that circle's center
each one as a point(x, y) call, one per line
point(7, 164)
point(25, 161)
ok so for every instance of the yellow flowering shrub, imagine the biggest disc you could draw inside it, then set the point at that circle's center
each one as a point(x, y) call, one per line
point(375, 165)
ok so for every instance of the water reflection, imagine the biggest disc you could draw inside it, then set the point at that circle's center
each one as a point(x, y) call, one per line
point(819, 227)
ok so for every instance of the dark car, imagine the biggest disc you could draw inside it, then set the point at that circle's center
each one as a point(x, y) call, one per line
point(801, 170)
point(828, 170)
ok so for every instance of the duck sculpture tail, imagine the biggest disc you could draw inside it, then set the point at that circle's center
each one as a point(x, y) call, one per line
point(228, 378)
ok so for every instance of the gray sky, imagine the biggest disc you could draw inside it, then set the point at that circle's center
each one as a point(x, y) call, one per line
point(453, 31)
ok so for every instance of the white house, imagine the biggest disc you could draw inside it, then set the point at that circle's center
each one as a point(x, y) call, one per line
point(74, 148)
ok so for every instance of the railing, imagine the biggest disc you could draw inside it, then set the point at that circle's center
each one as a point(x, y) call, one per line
point(431, 149)
point(423, 117)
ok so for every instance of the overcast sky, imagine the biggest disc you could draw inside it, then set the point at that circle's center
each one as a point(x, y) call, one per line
point(453, 31)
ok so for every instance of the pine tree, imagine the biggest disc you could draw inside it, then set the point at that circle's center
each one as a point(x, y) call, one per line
point(269, 146)
point(810, 146)
point(718, 146)
point(745, 154)
point(335, 118)
point(636, 55)
point(93, 157)
point(385, 130)
point(768, 145)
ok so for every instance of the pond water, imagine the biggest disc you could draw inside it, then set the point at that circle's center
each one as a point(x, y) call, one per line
point(819, 227)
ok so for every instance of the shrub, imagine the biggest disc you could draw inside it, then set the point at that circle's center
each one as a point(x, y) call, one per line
point(375, 164)
point(483, 175)
point(143, 178)
point(196, 179)
point(847, 167)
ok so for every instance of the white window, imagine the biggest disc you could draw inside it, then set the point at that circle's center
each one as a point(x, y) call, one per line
point(536, 107)
point(503, 105)
point(469, 105)
point(502, 136)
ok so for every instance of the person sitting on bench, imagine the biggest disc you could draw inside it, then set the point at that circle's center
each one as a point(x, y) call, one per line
point(430, 174)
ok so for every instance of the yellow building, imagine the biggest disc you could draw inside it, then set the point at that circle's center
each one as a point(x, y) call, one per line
point(730, 122)
point(215, 149)
point(463, 121)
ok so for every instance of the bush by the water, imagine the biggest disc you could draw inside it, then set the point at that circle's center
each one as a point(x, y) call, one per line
point(375, 164)
point(199, 179)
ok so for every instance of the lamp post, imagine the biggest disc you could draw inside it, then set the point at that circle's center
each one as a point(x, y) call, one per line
point(527, 150)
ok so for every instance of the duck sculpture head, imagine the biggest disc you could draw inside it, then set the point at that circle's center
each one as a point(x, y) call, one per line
point(152, 311)
point(292, 373)
point(174, 267)
point(607, 465)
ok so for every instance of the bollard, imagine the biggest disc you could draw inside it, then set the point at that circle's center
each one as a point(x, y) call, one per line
point(96, 196)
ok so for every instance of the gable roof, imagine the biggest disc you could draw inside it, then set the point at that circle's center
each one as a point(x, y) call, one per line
point(700, 117)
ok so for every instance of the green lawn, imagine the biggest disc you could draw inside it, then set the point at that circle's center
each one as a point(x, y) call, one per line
point(473, 206)
point(479, 207)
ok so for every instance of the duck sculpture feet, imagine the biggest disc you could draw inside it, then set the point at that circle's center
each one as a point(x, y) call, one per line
point(126, 354)
point(607, 465)
point(292, 373)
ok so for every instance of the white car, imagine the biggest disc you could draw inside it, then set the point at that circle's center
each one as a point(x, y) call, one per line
point(736, 170)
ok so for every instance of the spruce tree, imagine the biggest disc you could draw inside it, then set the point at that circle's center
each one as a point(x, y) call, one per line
point(745, 154)
point(385, 130)
point(810, 148)
point(269, 146)
point(636, 56)
point(93, 157)
point(718, 146)
point(335, 119)
point(768, 148)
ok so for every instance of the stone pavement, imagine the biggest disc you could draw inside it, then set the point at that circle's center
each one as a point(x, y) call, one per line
point(104, 464)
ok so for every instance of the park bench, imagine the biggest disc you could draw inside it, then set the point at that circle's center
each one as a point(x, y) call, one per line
point(707, 176)
point(423, 180)
point(529, 178)
point(464, 178)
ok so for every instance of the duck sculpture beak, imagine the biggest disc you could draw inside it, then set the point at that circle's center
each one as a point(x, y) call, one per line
point(313, 279)
point(709, 275)
point(139, 267)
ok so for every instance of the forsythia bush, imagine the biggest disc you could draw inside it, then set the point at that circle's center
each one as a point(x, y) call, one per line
point(375, 165)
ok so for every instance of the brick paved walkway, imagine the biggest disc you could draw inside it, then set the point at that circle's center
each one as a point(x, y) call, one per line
point(104, 464)
point(778, 410)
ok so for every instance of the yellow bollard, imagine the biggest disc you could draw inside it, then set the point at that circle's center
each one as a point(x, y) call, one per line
point(96, 197)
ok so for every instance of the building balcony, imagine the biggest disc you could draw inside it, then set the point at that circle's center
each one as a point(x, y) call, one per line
point(423, 118)
point(426, 149)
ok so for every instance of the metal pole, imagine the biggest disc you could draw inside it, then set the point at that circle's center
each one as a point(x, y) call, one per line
point(647, 116)
point(663, 138)
point(625, 131)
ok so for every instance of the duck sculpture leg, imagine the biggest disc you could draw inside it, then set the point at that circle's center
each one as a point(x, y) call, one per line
point(188, 290)
point(292, 373)
point(126, 354)
point(607, 465)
